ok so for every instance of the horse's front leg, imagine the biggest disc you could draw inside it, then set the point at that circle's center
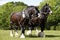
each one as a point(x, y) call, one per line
point(16, 31)
point(41, 34)
point(11, 29)
point(29, 32)
point(37, 31)
point(22, 32)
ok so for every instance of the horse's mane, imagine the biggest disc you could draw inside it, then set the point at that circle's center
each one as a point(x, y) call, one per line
point(34, 7)
point(30, 6)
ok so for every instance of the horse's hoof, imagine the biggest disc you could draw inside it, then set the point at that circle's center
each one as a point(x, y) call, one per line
point(22, 36)
point(11, 34)
point(16, 34)
point(37, 32)
point(41, 34)
point(29, 32)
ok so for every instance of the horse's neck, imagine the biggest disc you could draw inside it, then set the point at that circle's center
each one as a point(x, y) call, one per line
point(43, 13)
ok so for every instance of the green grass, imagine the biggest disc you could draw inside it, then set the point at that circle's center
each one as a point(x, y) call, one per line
point(49, 35)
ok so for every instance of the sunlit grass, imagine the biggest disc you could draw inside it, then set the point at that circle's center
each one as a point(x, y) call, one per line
point(49, 35)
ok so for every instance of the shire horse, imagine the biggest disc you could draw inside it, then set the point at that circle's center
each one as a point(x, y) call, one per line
point(40, 20)
point(21, 19)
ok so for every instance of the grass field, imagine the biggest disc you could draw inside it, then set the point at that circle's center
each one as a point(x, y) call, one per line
point(49, 35)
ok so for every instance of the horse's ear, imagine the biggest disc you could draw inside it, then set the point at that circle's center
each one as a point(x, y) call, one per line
point(46, 4)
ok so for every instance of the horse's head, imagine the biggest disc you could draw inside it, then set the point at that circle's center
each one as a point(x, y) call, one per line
point(46, 9)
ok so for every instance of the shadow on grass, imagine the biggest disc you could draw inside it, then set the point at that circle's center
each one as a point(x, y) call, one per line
point(32, 36)
point(52, 35)
point(49, 36)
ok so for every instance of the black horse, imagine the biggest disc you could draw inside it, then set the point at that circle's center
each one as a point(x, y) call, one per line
point(41, 19)
point(21, 19)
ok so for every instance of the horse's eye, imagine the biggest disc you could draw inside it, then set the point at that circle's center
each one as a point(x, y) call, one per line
point(48, 10)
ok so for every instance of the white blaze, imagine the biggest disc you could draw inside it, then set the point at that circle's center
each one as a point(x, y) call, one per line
point(50, 12)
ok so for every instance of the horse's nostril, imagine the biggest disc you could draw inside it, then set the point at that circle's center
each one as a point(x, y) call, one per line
point(50, 11)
